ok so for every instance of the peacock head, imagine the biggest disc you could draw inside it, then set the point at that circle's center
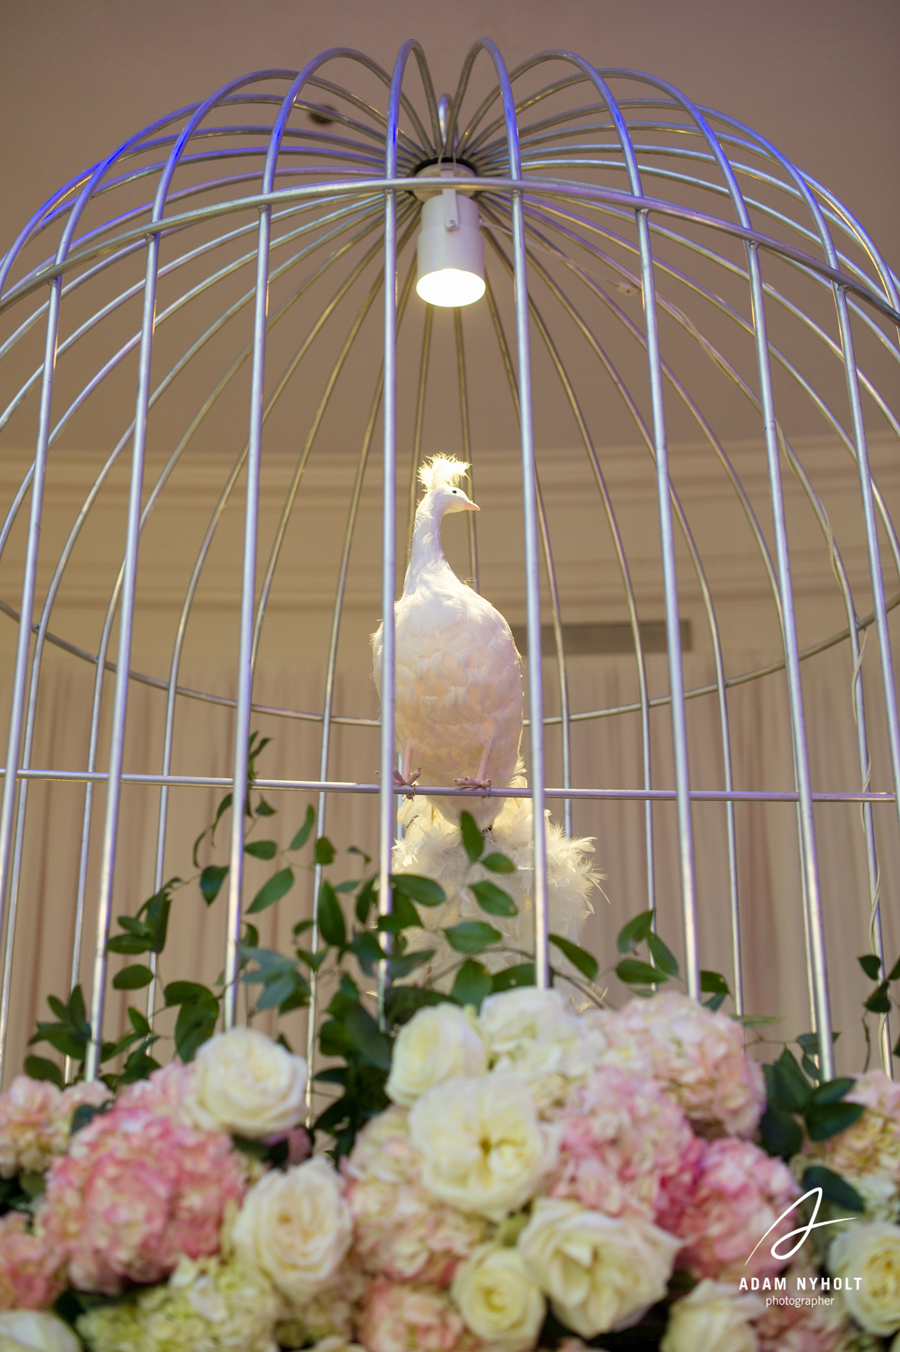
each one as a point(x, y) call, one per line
point(440, 476)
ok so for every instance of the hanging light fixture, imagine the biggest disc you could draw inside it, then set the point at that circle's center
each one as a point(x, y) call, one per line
point(450, 250)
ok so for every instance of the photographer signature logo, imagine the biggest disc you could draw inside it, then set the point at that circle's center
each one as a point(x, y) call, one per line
point(801, 1234)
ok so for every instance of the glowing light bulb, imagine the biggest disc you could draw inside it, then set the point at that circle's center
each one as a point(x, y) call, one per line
point(450, 251)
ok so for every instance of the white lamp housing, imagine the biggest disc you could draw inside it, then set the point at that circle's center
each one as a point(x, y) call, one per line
point(451, 250)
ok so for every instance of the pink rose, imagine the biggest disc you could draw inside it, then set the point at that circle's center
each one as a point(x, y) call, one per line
point(627, 1149)
point(32, 1272)
point(405, 1318)
point(740, 1193)
point(135, 1192)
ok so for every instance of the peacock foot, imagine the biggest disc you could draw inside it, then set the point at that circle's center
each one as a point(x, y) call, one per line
point(407, 780)
point(467, 782)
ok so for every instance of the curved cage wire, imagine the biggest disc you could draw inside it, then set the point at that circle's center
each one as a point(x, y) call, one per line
point(657, 273)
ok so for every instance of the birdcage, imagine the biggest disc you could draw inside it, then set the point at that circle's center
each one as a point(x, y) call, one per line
point(671, 391)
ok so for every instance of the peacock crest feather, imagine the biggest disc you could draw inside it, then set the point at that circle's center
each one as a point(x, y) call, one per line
point(442, 471)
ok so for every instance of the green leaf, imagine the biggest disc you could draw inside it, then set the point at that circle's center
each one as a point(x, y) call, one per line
point(423, 890)
point(354, 849)
point(261, 849)
point(139, 1022)
point(132, 978)
point(398, 968)
point(879, 1001)
point(637, 973)
point(755, 1020)
point(32, 1185)
point(578, 957)
point(871, 965)
point(367, 1038)
point(715, 1001)
point(367, 951)
point(833, 1090)
point(493, 899)
point(662, 956)
point(513, 977)
point(195, 1024)
point(303, 835)
point(331, 918)
point(324, 852)
point(275, 992)
point(635, 932)
point(350, 886)
point(368, 894)
point(211, 880)
point(792, 1089)
point(179, 992)
point(83, 1114)
point(471, 936)
point(158, 908)
point(714, 983)
point(129, 944)
point(497, 863)
point(272, 891)
point(780, 1132)
point(223, 807)
point(832, 1118)
point(834, 1188)
point(401, 1002)
point(264, 810)
point(39, 1068)
point(473, 984)
point(472, 839)
point(301, 927)
point(894, 973)
point(403, 915)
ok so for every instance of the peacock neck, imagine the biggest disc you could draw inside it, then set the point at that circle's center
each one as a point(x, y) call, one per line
point(426, 555)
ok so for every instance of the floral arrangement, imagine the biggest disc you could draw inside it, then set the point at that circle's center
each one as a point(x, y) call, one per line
point(502, 1167)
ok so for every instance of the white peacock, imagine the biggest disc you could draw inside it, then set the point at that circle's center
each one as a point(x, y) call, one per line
point(458, 706)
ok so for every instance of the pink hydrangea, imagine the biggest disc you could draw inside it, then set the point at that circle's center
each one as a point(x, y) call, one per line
point(400, 1230)
point(32, 1272)
point(169, 1092)
point(699, 1055)
point(405, 1318)
point(137, 1190)
point(802, 1326)
point(626, 1149)
point(872, 1145)
point(35, 1119)
point(740, 1193)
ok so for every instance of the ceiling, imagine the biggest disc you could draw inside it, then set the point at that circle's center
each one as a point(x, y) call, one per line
point(817, 76)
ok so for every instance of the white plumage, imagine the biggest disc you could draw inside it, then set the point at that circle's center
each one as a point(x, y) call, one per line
point(458, 690)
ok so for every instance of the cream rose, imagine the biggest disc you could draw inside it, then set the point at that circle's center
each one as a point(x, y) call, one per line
point(437, 1044)
point(295, 1227)
point(871, 1254)
point(498, 1299)
point(715, 1317)
point(248, 1085)
point(483, 1148)
point(20, 1329)
point(601, 1273)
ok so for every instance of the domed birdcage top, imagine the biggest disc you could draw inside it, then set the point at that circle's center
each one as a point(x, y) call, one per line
point(659, 271)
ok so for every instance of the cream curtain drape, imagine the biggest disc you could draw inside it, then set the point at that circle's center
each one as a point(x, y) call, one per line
point(606, 754)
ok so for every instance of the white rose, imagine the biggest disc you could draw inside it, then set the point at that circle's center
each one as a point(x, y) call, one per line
point(248, 1085)
point(483, 1148)
point(35, 1329)
point(870, 1253)
point(513, 1021)
point(295, 1227)
point(601, 1273)
point(715, 1317)
point(435, 1045)
point(498, 1299)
